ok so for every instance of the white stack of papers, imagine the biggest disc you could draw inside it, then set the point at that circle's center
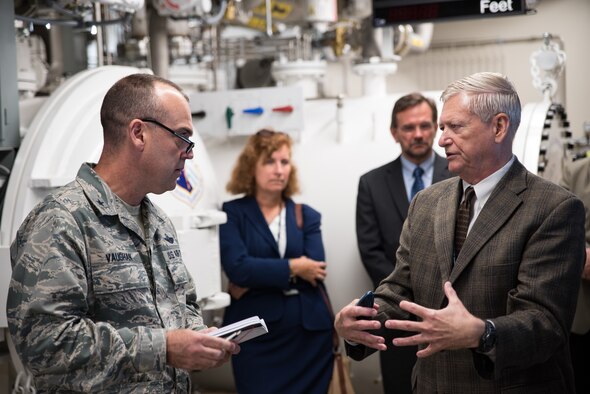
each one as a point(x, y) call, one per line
point(242, 330)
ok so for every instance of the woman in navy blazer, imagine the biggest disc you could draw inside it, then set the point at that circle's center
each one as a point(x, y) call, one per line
point(276, 271)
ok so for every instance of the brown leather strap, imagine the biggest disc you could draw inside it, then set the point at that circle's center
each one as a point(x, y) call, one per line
point(298, 216)
point(341, 372)
point(335, 338)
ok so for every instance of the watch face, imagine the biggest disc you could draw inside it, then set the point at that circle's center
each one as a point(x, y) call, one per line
point(488, 339)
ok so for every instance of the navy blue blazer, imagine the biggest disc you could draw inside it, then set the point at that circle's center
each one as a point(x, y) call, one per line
point(381, 209)
point(250, 258)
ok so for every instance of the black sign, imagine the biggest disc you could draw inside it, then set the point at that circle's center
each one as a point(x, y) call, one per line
point(395, 12)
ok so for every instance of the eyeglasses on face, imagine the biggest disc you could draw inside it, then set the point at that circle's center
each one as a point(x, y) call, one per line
point(190, 144)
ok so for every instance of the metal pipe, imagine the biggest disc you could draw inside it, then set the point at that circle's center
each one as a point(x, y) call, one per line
point(497, 41)
point(99, 40)
point(158, 44)
point(268, 18)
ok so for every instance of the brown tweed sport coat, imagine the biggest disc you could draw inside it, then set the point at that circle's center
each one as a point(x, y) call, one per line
point(520, 266)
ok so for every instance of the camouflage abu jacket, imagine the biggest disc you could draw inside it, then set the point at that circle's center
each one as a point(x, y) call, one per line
point(81, 309)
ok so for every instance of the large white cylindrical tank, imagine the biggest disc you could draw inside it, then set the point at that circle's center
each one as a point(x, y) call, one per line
point(67, 132)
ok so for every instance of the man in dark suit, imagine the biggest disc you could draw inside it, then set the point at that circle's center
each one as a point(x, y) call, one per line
point(384, 195)
point(489, 263)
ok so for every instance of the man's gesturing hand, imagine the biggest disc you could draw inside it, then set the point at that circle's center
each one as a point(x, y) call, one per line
point(452, 327)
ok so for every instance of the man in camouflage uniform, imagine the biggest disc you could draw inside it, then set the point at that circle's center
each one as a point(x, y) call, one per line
point(100, 299)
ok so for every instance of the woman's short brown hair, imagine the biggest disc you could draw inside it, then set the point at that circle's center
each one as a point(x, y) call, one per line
point(262, 144)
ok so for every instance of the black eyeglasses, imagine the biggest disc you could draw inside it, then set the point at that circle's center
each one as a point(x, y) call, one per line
point(190, 143)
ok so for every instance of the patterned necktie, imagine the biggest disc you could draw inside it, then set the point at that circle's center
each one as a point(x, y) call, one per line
point(463, 218)
point(418, 183)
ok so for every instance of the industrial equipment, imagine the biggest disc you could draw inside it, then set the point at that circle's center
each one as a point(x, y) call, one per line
point(245, 65)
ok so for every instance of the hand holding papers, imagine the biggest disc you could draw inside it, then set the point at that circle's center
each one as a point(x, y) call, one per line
point(243, 330)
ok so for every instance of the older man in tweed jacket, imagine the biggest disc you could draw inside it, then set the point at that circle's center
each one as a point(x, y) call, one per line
point(494, 316)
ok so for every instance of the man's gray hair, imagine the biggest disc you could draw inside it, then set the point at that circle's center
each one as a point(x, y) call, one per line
point(488, 94)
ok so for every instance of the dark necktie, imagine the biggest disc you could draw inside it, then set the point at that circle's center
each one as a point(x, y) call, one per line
point(463, 218)
point(418, 183)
